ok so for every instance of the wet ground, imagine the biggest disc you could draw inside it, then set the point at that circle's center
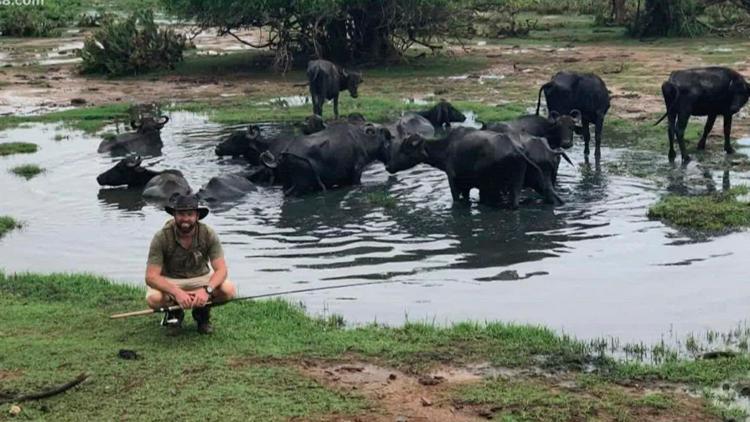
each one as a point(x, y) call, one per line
point(593, 267)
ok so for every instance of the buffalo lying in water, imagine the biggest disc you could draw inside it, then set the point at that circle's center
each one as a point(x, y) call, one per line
point(335, 156)
point(442, 114)
point(159, 185)
point(146, 140)
point(226, 187)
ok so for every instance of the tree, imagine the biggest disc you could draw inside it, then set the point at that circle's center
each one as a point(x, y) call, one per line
point(619, 13)
point(661, 18)
point(346, 31)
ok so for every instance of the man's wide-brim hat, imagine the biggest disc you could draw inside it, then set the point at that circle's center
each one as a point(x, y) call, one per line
point(186, 203)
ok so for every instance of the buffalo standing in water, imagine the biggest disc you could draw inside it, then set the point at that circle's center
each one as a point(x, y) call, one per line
point(707, 91)
point(586, 92)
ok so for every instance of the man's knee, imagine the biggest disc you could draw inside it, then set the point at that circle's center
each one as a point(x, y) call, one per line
point(155, 299)
point(228, 289)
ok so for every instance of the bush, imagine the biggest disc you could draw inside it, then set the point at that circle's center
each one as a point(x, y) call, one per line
point(36, 21)
point(130, 47)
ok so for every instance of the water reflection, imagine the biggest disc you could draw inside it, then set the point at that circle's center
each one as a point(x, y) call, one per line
point(127, 199)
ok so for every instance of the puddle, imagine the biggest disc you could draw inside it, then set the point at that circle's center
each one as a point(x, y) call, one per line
point(292, 101)
point(594, 267)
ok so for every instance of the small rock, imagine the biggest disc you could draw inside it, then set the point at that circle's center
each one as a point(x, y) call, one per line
point(77, 101)
point(392, 377)
point(14, 410)
point(127, 354)
point(425, 401)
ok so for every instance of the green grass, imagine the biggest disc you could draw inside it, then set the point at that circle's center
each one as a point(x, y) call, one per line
point(27, 171)
point(381, 199)
point(7, 224)
point(87, 119)
point(715, 212)
point(56, 326)
point(8, 148)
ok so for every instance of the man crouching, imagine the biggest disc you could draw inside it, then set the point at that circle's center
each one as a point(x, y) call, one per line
point(177, 269)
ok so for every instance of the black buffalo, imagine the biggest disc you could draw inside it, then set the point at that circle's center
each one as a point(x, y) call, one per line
point(326, 80)
point(315, 123)
point(708, 91)
point(226, 187)
point(568, 91)
point(442, 114)
point(411, 123)
point(156, 184)
point(335, 156)
point(557, 129)
point(240, 143)
point(146, 140)
point(492, 162)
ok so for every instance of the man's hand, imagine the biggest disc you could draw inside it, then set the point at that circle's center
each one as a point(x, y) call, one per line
point(184, 299)
point(200, 297)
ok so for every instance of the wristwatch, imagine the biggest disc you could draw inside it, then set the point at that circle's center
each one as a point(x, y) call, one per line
point(209, 290)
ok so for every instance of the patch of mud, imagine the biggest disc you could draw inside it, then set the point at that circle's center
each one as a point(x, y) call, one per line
point(399, 396)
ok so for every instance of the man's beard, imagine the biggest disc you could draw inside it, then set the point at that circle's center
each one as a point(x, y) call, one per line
point(185, 227)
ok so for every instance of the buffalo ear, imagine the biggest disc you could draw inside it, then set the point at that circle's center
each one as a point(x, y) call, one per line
point(386, 134)
point(164, 121)
point(134, 125)
point(553, 115)
point(370, 129)
point(344, 73)
point(253, 131)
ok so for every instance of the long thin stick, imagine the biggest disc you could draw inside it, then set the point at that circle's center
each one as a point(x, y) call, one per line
point(287, 292)
point(48, 392)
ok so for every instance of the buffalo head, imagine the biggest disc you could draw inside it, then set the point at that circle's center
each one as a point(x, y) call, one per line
point(406, 152)
point(740, 92)
point(352, 80)
point(443, 113)
point(565, 125)
point(240, 143)
point(125, 172)
point(149, 125)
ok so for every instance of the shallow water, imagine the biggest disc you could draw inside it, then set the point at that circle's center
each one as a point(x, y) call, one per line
point(593, 267)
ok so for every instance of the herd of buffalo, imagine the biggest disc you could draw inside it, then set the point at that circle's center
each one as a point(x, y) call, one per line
point(500, 159)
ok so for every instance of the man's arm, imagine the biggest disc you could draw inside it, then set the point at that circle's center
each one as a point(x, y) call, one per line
point(219, 266)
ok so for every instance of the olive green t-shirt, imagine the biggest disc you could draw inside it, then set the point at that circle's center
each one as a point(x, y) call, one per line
point(178, 262)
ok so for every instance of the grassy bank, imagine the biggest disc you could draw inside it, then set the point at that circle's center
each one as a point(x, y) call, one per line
point(56, 327)
point(717, 212)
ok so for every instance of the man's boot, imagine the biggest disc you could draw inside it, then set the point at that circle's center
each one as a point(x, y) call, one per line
point(202, 316)
point(173, 321)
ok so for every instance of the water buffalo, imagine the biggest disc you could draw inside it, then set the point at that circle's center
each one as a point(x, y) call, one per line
point(156, 184)
point(226, 187)
point(314, 123)
point(251, 144)
point(326, 81)
point(708, 91)
point(335, 156)
point(411, 123)
point(146, 140)
point(557, 129)
point(568, 91)
point(240, 143)
point(442, 114)
point(490, 161)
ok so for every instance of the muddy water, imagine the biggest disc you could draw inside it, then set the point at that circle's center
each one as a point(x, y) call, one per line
point(593, 267)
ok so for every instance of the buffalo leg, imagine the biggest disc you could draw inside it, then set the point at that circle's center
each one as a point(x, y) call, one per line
point(671, 122)
point(455, 192)
point(682, 121)
point(709, 125)
point(586, 135)
point(336, 106)
point(598, 126)
point(317, 105)
point(727, 132)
